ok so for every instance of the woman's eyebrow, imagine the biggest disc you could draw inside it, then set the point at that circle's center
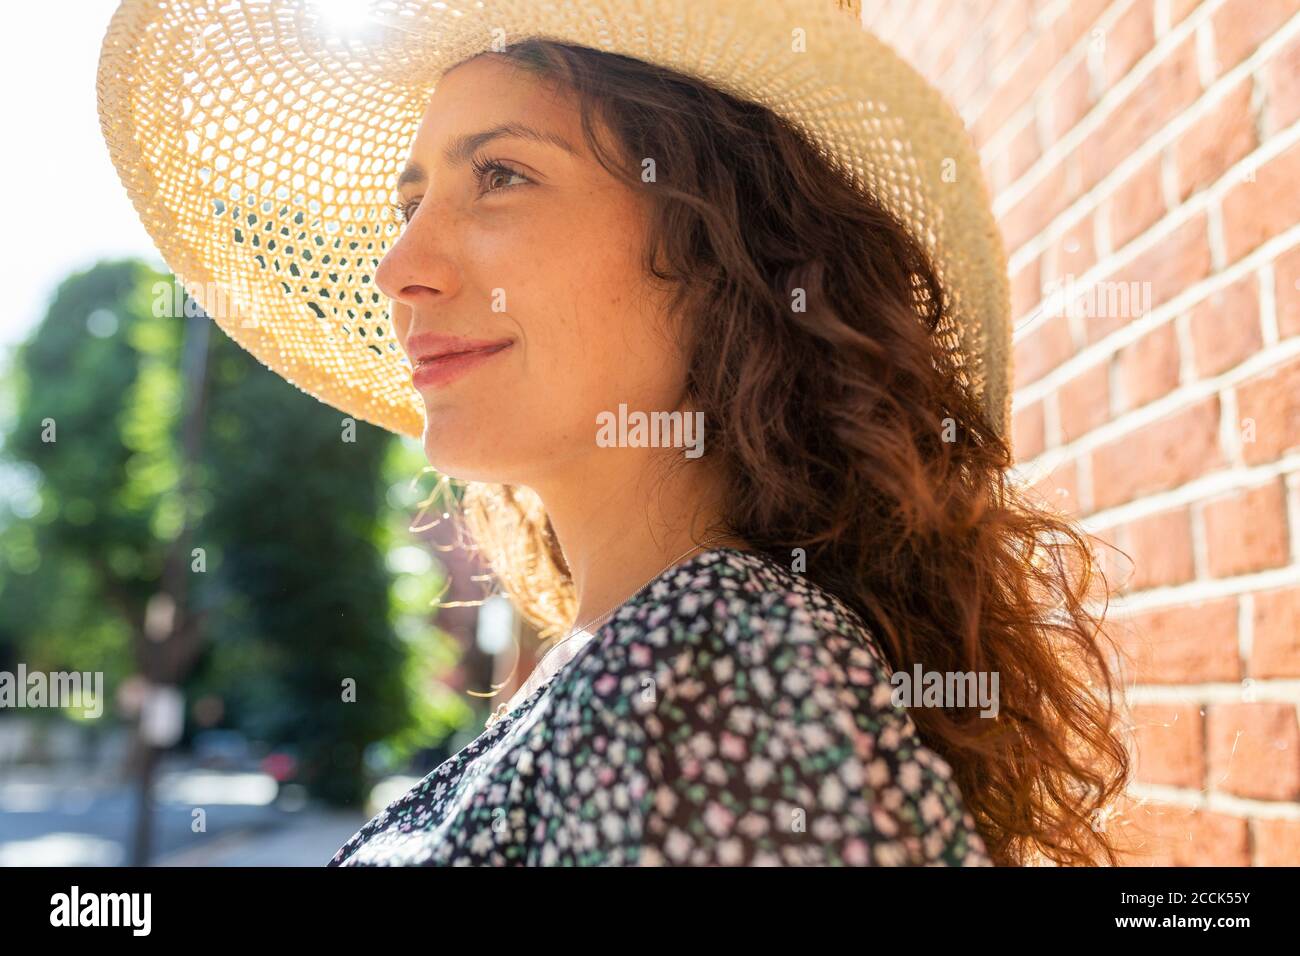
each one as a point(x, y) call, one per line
point(462, 147)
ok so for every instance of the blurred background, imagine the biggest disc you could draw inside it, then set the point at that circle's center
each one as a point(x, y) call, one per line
point(1144, 162)
point(196, 532)
point(190, 526)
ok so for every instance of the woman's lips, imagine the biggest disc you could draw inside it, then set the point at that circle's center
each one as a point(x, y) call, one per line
point(444, 369)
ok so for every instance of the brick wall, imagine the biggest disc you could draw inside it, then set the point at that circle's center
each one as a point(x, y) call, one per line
point(1144, 155)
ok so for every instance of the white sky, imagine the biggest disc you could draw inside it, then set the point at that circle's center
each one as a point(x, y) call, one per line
point(64, 205)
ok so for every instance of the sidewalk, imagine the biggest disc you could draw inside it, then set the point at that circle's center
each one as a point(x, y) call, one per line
point(309, 841)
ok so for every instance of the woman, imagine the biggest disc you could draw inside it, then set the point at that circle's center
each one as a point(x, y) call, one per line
point(735, 425)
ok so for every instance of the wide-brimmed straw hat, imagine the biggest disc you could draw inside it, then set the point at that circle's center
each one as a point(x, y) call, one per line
point(260, 142)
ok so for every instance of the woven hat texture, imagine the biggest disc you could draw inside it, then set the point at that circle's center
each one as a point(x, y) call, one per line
point(260, 144)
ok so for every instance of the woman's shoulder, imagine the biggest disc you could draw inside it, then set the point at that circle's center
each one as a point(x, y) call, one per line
point(740, 594)
point(764, 711)
point(751, 609)
point(747, 611)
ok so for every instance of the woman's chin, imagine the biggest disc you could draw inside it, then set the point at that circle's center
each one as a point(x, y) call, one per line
point(464, 461)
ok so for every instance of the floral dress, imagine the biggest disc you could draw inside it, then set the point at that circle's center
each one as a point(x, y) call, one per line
point(731, 713)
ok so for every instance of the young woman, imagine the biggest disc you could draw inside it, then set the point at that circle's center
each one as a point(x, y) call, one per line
point(725, 424)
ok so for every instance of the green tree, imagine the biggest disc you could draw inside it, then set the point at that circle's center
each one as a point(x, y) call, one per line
point(295, 533)
point(286, 575)
point(80, 561)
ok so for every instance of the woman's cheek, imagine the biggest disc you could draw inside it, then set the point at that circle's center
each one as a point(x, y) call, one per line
point(401, 319)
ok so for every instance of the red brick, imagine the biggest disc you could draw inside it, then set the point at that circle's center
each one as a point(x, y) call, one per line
point(1170, 745)
point(941, 46)
point(1075, 252)
point(1059, 489)
point(1155, 834)
point(1254, 750)
point(1256, 211)
point(1130, 39)
point(993, 167)
point(1022, 150)
point(1275, 650)
point(1187, 644)
point(1046, 199)
point(1179, 10)
point(1277, 842)
point(1017, 89)
point(1026, 289)
point(1286, 271)
point(1156, 275)
point(1247, 531)
point(1137, 205)
point(1076, 21)
point(964, 86)
point(1042, 350)
point(1173, 263)
point(1215, 142)
point(1029, 437)
point(1149, 368)
point(1241, 25)
point(1225, 327)
point(1270, 405)
point(1011, 29)
point(1281, 78)
point(1161, 548)
point(1113, 560)
point(1169, 90)
point(1084, 402)
point(1070, 100)
point(1162, 455)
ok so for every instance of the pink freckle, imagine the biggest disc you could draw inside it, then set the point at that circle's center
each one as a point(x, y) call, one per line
point(606, 684)
point(606, 776)
point(639, 655)
point(691, 769)
point(859, 675)
point(794, 600)
point(855, 853)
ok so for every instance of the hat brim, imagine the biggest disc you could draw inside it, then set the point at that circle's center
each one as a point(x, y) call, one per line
point(260, 147)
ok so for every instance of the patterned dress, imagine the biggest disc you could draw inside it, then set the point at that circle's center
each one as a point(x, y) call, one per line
point(731, 713)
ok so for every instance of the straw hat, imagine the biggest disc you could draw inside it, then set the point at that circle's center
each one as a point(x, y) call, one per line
point(260, 142)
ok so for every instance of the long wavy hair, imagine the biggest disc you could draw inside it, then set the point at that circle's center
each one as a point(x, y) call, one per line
point(835, 427)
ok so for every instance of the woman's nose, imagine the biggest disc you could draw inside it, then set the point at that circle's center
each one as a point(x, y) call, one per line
point(420, 266)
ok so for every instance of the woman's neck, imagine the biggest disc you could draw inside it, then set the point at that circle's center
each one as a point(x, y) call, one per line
point(623, 516)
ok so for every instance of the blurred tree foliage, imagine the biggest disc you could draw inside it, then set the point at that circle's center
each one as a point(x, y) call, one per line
point(300, 513)
point(83, 553)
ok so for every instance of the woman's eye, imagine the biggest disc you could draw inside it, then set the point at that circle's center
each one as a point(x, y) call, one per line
point(487, 171)
point(491, 176)
point(403, 211)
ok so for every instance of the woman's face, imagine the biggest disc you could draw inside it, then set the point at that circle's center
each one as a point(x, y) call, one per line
point(533, 262)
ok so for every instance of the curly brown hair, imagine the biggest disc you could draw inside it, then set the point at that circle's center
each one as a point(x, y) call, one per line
point(850, 431)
